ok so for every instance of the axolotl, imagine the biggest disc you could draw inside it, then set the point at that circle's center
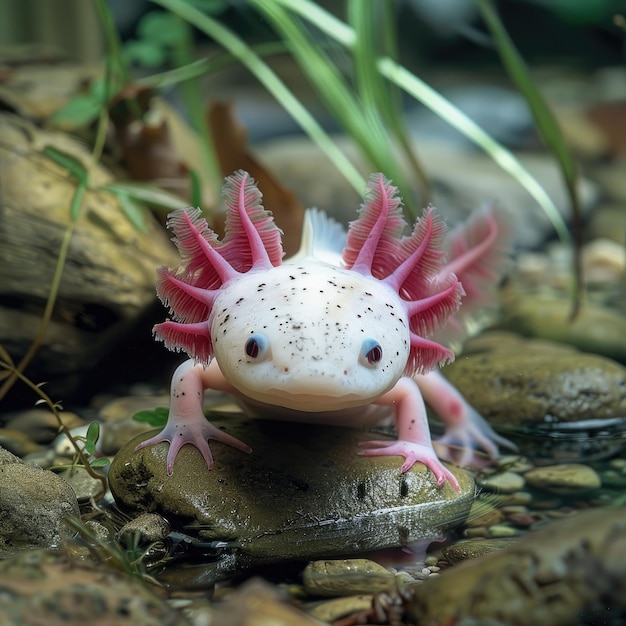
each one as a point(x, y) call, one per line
point(341, 333)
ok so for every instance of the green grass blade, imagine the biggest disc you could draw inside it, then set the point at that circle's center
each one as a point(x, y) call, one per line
point(238, 48)
point(422, 92)
point(516, 68)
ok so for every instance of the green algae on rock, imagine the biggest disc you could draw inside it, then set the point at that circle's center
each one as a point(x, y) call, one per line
point(302, 493)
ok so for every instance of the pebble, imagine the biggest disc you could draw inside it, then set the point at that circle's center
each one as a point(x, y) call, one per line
point(570, 478)
point(85, 486)
point(258, 603)
point(502, 530)
point(331, 610)
point(478, 516)
point(40, 424)
point(148, 527)
point(33, 503)
point(473, 548)
point(343, 577)
point(502, 482)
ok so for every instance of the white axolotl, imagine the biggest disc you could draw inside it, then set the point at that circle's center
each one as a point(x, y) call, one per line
point(340, 333)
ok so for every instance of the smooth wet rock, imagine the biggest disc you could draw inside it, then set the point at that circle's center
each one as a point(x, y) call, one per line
point(596, 329)
point(52, 588)
point(572, 571)
point(33, 503)
point(474, 548)
point(344, 577)
point(554, 402)
point(109, 274)
point(257, 603)
point(302, 493)
point(566, 478)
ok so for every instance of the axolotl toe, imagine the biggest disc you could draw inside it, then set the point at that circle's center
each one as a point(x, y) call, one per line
point(341, 333)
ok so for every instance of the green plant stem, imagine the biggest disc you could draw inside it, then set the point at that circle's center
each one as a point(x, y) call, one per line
point(62, 427)
point(47, 315)
point(548, 129)
point(193, 100)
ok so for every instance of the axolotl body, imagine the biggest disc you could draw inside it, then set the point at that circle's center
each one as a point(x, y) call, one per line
point(340, 333)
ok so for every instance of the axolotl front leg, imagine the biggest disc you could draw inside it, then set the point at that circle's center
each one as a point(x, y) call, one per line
point(466, 430)
point(414, 442)
point(186, 423)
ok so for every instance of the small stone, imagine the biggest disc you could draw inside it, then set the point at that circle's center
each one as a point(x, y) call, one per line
point(473, 548)
point(17, 442)
point(513, 463)
point(567, 478)
point(519, 498)
point(522, 520)
point(502, 482)
point(501, 530)
point(258, 603)
point(85, 486)
point(479, 531)
point(344, 577)
point(149, 527)
point(41, 425)
point(331, 610)
point(618, 464)
point(478, 516)
point(33, 503)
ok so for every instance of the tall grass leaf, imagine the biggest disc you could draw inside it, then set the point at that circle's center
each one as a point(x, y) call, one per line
point(274, 85)
point(144, 192)
point(425, 94)
point(546, 125)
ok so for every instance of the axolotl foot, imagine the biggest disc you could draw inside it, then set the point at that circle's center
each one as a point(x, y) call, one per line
point(195, 431)
point(412, 453)
point(460, 442)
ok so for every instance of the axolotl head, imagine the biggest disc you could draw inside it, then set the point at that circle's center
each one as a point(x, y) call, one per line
point(310, 336)
point(306, 334)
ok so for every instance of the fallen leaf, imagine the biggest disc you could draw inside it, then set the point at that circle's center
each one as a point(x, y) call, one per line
point(230, 139)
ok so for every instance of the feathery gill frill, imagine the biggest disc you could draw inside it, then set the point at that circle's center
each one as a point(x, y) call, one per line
point(252, 241)
point(411, 265)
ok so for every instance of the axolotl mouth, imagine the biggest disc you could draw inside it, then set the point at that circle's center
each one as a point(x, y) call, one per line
point(346, 409)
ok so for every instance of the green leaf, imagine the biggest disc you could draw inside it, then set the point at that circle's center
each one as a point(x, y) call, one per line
point(515, 66)
point(144, 53)
point(145, 192)
point(93, 432)
point(134, 212)
point(154, 417)
point(81, 110)
point(161, 27)
point(70, 163)
point(102, 461)
point(196, 188)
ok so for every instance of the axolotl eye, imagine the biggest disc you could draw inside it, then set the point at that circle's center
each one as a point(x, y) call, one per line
point(257, 346)
point(371, 353)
